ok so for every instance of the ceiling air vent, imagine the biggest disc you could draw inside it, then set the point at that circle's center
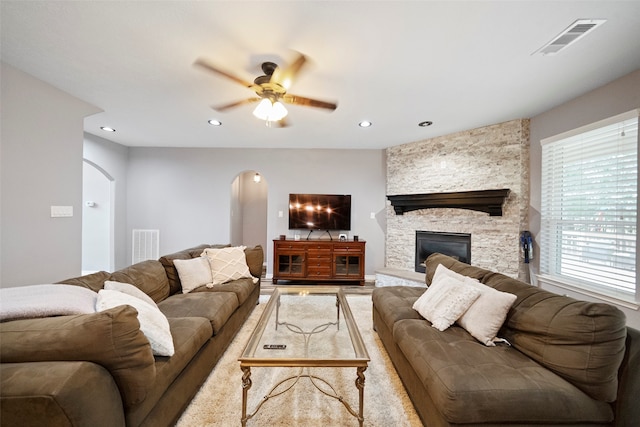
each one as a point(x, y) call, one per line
point(570, 35)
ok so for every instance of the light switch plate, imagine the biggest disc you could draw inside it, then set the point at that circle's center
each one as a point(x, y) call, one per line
point(61, 211)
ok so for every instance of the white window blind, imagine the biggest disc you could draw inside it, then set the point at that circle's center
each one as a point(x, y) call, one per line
point(589, 207)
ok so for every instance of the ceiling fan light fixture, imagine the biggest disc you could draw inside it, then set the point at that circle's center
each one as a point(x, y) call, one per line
point(278, 112)
point(270, 111)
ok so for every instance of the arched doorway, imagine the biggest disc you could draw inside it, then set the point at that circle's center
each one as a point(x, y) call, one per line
point(249, 209)
point(97, 219)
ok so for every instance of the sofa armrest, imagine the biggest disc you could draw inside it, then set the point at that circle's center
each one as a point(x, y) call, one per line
point(255, 260)
point(59, 394)
point(626, 406)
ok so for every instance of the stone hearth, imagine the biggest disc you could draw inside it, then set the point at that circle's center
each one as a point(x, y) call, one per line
point(486, 158)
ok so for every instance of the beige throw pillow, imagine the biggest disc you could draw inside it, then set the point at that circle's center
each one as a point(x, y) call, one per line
point(486, 315)
point(227, 264)
point(193, 273)
point(445, 301)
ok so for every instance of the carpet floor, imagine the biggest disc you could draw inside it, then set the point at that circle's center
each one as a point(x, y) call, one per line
point(219, 401)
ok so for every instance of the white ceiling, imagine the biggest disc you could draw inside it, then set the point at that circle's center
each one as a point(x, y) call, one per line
point(460, 64)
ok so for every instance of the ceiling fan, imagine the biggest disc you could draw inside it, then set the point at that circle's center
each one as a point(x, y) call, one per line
point(271, 90)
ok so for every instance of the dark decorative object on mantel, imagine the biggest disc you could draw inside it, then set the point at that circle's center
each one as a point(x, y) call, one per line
point(489, 201)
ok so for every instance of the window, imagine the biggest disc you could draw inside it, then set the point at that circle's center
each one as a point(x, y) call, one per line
point(589, 208)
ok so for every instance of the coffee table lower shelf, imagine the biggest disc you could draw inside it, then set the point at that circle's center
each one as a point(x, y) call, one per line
point(288, 383)
point(303, 317)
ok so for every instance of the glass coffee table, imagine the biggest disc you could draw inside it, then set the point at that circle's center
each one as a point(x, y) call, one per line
point(305, 327)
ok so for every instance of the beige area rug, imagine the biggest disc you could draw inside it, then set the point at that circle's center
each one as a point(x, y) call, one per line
point(386, 404)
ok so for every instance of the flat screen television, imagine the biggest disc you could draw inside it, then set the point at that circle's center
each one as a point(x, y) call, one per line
point(319, 212)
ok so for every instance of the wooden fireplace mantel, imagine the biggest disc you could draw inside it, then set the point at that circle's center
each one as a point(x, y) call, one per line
point(489, 201)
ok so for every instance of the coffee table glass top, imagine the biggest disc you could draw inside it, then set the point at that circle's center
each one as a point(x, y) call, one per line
point(306, 326)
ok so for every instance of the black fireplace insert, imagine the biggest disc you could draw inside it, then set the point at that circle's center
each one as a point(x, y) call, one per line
point(456, 245)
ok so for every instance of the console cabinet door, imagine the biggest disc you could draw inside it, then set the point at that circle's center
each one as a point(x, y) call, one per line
point(289, 261)
point(348, 261)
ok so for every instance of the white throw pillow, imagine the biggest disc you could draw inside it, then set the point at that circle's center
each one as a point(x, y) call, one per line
point(445, 301)
point(193, 272)
point(486, 315)
point(227, 264)
point(129, 289)
point(153, 324)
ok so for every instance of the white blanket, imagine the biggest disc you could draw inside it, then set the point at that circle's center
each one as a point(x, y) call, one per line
point(26, 302)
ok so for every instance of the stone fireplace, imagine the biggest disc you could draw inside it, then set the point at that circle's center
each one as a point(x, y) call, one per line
point(456, 245)
point(475, 162)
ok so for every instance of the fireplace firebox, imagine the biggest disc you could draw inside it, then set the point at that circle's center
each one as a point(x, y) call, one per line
point(456, 245)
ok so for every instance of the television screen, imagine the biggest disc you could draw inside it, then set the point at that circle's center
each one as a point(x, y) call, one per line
point(319, 212)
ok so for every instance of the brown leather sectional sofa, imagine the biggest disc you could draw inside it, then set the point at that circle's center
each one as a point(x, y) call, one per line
point(569, 362)
point(98, 369)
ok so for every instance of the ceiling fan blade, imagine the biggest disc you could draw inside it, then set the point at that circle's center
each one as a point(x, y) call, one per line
point(225, 107)
point(284, 77)
point(204, 64)
point(308, 102)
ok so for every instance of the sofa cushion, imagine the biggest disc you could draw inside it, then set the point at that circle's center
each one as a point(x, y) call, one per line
point(472, 383)
point(94, 281)
point(111, 338)
point(149, 276)
point(191, 333)
point(581, 341)
point(241, 287)
point(395, 303)
point(170, 270)
point(217, 307)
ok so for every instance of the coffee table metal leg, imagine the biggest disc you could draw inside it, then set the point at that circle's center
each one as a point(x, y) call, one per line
point(360, 386)
point(246, 385)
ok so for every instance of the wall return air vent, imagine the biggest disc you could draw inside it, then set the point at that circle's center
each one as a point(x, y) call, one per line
point(570, 35)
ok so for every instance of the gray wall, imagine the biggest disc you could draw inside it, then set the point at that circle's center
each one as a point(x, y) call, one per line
point(614, 98)
point(254, 210)
point(187, 193)
point(41, 166)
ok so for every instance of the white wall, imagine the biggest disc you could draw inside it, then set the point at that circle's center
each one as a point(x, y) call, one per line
point(96, 220)
point(614, 98)
point(187, 193)
point(41, 166)
point(113, 159)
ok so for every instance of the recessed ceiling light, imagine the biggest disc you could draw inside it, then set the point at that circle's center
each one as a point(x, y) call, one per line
point(365, 124)
point(214, 122)
point(425, 124)
point(107, 129)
